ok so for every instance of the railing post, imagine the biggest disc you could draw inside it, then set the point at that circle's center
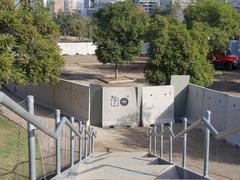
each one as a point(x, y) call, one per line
point(86, 141)
point(58, 144)
point(161, 142)
point(206, 146)
point(80, 141)
point(90, 142)
point(155, 140)
point(72, 144)
point(170, 142)
point(31, 141)
point(150, 140)
point(184, 144)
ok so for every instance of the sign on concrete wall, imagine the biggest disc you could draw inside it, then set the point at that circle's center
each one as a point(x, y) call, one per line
point(157, 105)
point(119, 106)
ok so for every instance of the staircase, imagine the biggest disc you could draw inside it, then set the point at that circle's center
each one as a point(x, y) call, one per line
point(127, 166)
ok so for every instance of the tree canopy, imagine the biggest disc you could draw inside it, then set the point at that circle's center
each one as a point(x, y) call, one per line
point(28, 50)
point(73, 24)
point(175, 50)
point(219, 19)
point(118, 30)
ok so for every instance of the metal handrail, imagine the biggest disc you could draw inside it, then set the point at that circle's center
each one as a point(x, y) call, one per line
point(209, 128)
point(34, 121)
point(12, 105)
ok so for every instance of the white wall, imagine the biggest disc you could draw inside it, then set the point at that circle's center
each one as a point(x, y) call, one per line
point(83, 48)
point(86, 48)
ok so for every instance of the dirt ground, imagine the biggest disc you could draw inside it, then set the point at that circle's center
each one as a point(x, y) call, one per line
point(224, 158)
point(86, 70)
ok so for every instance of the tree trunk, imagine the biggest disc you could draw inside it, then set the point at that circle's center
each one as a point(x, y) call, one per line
point(116, 71)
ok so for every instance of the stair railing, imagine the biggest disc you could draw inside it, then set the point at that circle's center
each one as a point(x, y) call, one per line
point(208, 128)
point(33, 122)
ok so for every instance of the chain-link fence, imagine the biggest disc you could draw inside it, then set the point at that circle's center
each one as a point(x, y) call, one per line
point(14, 145)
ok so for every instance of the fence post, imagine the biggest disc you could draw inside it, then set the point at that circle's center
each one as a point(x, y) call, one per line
point(155, 140)
point(184, 144)
point(31, 141)
point(72, 144)
point(80, 141)
point(170, 142)
point(150, 140)
point(161, 142)
point(58, 143)
point(206, 146)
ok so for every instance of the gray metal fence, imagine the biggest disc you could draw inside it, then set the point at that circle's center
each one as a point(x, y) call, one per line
point(50, 143)
point(158, 145)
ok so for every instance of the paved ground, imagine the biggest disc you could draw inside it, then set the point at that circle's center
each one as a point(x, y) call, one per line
point(224, 158)
point(86, 69)
point(118, 166)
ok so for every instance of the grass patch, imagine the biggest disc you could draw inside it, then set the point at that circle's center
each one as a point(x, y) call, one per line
point(14, 159)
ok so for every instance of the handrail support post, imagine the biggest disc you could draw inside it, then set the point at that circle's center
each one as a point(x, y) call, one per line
point(58, 143)
point(184, 144)
point(31, 141)
point(161, 142)
point(206, 146)
point(72, 144)
point(170, 142)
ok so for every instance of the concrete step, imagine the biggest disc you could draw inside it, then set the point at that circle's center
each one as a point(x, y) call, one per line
point(119, 166)
point(127, 166)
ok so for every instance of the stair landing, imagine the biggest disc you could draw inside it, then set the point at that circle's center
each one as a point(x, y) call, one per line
point(118, 166)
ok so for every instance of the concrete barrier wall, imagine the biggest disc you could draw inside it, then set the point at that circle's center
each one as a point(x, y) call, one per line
point(96, 105)
point(157, 105)
point(225, 109)
point(233, 118)
point(119, 106)
point(180, 83)
point(71, 98)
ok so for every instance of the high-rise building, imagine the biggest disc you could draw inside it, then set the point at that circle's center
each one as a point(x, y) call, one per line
point(147, 5)
point(64, 5)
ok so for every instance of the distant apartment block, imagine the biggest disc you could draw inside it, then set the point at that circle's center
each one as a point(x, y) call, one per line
point(147, 5)
point(63, 5)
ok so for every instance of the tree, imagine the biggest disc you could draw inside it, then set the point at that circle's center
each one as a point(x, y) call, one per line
point(73, 24)
point(118, 30)
point(174, 50)
point(28, 50)
point(221, 21)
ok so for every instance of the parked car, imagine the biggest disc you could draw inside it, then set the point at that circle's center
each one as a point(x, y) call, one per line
point(227, 60)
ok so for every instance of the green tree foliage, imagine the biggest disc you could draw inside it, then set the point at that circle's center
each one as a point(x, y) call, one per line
point(28, 52)
point(220, 20)
point(73, 24)
point(117, 31)
point(176, 51)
